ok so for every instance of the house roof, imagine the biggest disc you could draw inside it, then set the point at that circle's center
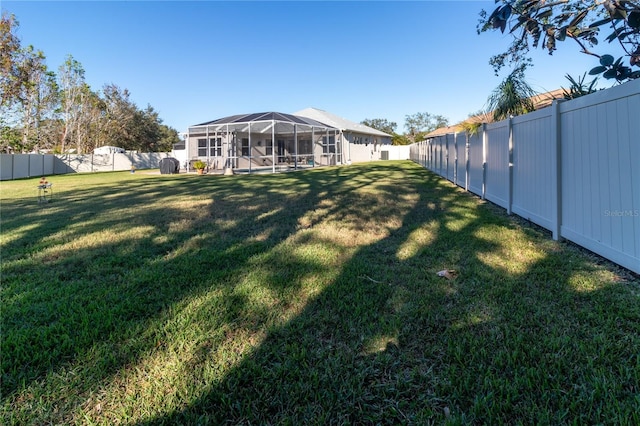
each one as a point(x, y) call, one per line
point(540, 101)
point(339, 122)
point(264, 116)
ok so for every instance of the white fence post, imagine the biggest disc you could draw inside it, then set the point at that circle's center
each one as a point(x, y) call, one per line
point(467, 150)
point(510, 192)
point(455, 160)
point(484, 160)
point(556, 170)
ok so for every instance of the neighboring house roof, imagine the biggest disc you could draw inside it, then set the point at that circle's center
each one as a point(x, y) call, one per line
point(544, 100)
point(264, 116)
point(444, 131)
point(339, 122)
point(540, 101)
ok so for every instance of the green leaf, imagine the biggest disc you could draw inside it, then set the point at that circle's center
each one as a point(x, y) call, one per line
point(506, 12)
point(545, 14)
point(601, 22)
point(623, 35)
point(597, 70)
point(609, 74)
point(619, 14)
point(634, 20)
point(606, 60)
point(579, 18)
point(624, 73)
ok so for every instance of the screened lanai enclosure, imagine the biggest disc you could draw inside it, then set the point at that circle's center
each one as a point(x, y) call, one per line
point(270, 141)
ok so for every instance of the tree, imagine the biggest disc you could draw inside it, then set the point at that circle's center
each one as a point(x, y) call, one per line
point(73, 87)
point(579, 87)
point(421, 123)
point(9, 137)
point(147, 130)
point(28, 93)
point(120, 116)
point(129, 127)
point(41, 110)
point(35, 99)
point(168, 137)
point(512, 96)
point(9, 50)
point(381, 124)
point(533, 21)
point(400, 140)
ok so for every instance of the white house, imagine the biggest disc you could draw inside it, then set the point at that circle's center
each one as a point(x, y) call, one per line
point(277, 141)
point(261, 141)
point(362, 143)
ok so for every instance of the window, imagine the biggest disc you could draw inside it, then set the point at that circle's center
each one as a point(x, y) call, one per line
point(305, 147)
point(202, 147)
point(215, 147)
point(269, 147)
point(330, 146)
point(245, 146)
point(281, 151)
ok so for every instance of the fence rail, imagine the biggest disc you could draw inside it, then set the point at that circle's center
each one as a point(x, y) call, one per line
point(572, 168)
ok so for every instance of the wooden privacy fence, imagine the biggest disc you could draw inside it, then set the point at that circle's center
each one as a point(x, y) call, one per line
point(572, 168)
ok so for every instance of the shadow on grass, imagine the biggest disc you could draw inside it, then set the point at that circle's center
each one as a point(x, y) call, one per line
point(83, 294)
point(387, 341)
point(78, 297)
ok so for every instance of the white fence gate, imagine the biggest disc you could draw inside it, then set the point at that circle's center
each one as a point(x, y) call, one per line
point(572, 168)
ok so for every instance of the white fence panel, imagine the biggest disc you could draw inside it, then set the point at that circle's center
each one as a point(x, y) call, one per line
point(397, 152)
point(497, 163)
point(21, 166)
point(48, 162)
point(6, 167)
point(16, 166)
point(424, 154)
point(576, 170)
point(101, 162)
point(83, 163)
point(476, 164)
point(437, 154)
point(461, 160)
point(62, 164)
point(533, 177)
point(443, 156)
point(36, 165)
point(600, 174)
point(433, 155)
point(140, 160)
point(451, 157)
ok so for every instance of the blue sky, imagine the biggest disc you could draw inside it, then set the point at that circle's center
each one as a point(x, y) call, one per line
point(198, 61)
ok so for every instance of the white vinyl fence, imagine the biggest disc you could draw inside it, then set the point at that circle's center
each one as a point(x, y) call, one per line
point(572, 168)
point(17, 166)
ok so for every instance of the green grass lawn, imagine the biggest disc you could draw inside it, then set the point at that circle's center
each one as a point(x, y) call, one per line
point(303, 298)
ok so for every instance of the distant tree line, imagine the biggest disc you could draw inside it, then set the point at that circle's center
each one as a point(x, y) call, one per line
point(417, 126)
point(59, 112)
